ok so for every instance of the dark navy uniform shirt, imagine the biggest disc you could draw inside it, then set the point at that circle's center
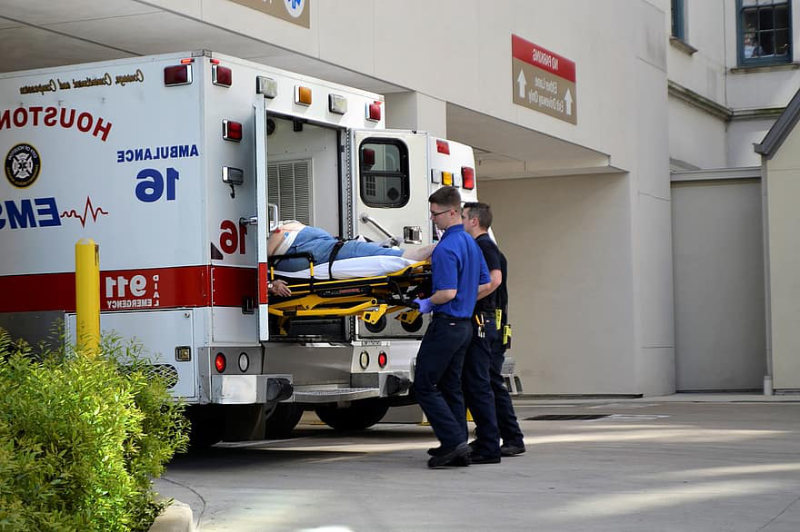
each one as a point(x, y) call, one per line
point(491, 253)
point(458, 264)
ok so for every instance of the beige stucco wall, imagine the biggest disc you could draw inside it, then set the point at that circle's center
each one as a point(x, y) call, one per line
point(570, 281)
point(783, 191)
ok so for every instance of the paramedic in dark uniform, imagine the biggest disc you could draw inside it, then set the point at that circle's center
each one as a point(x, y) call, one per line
point(458, 269)
point(478, 395)
point(484, 387)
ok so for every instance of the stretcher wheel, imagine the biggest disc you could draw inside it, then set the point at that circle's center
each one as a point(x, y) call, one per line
point(414, 326)
point(376, 327)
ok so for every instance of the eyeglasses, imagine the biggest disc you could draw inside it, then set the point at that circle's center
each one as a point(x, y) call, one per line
point(435, 214)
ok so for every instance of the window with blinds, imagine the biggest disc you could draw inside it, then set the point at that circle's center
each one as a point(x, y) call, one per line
point(289, 186)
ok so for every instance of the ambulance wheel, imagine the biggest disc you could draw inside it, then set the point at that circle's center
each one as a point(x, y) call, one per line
point(207, 426)
point(358, 416)
point(282, 421)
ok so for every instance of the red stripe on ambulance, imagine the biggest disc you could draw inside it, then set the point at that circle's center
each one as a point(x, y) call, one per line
point(142, 289)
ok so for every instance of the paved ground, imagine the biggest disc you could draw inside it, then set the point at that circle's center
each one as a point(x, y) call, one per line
point(680, 463)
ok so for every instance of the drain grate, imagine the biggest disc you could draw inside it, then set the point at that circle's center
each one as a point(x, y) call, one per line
point(566, 417)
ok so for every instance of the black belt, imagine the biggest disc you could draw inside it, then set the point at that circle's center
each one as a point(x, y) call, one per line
point(443, 316)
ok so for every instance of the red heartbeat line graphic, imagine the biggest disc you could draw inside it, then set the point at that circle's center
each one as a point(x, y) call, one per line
point(87, 209)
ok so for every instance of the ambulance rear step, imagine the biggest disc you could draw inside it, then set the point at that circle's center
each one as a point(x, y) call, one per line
point(328, 395)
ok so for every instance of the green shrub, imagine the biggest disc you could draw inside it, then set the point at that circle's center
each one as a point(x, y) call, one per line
point(81, 438)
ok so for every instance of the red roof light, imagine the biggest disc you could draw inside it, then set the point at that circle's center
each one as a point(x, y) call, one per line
point(468, 177)
point(442, 147)
point(221, 75)
point(374, 111)
point(178, 75)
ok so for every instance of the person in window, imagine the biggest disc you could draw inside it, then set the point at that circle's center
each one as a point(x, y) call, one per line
point(751, 47)
point(296, 237)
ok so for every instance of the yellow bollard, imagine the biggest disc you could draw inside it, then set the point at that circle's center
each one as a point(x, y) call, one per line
point(87, 295)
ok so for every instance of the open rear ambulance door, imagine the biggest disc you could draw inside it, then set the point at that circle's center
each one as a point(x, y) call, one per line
point(262, 219)
point(390, 196)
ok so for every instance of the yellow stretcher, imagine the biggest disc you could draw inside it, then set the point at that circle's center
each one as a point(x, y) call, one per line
point(368, 298)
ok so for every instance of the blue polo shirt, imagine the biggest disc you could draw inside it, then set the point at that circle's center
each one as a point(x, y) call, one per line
point(458, 264)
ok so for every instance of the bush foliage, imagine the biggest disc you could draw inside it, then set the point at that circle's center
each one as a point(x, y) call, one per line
point(82, 437)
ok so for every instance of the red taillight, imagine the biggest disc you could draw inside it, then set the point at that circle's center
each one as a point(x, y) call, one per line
point(374, 111)
point(383, 358)
point(178, 74)
point(443, 147)
point(221, 75)
point(468, 177)
point(231, 130)
point(220, 363)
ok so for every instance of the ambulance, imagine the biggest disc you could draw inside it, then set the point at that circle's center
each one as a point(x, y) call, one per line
point(178, 166)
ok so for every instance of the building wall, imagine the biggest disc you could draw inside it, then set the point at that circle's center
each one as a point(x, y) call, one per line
point(742, 135)
point(765, 87)
point(719, 284)
point(783, 186)
point(704, 70)
point(570, 270)
point(687, 124)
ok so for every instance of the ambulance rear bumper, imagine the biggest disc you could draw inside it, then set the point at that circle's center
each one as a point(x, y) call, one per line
point(250, 389)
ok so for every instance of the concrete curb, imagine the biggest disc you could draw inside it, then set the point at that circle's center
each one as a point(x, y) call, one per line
point(177, 517)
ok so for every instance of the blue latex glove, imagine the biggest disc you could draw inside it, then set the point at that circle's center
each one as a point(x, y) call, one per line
point(425, 305)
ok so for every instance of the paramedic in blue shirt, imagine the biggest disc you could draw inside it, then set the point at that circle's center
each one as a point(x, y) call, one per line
point(460, 277)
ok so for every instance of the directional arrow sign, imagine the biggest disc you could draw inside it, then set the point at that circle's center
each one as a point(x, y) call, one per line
point(568, 101)
point(543, 80)
point(521, 81)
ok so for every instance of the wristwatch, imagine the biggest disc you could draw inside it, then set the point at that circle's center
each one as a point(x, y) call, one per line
point(269, 285)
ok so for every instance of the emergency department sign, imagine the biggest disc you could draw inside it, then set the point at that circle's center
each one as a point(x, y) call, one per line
point(543, 81)
point(294, 11)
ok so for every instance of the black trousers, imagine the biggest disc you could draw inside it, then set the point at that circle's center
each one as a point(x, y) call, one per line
point(437, 377)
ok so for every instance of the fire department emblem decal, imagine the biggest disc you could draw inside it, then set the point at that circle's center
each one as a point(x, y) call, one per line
point(22, 165)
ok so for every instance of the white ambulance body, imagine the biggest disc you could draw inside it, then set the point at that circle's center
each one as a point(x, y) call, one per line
point(173, 164)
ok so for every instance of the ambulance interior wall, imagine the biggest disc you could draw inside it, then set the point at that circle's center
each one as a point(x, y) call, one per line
point(783, 192)
point(568, 243)
point(319, 144)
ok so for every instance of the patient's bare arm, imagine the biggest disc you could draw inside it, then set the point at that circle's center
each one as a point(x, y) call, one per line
point(420, 253)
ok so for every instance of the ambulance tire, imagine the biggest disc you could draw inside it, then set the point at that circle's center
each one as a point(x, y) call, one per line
point(206, 427)
point(359, 415)
point(282, 421)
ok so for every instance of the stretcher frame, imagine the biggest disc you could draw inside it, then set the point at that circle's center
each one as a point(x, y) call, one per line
point(367, 298)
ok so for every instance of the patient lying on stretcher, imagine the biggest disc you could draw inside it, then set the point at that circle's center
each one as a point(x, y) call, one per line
point(295, 237)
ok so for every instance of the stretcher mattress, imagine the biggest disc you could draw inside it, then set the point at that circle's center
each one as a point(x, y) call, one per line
point(371, 266)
